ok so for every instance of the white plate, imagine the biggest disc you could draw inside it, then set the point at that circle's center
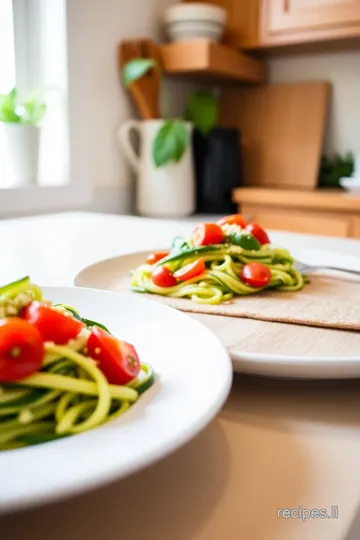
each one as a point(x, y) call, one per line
point(194, 377)
point(292, 364)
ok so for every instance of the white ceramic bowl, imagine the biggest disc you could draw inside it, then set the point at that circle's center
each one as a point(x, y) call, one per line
point(186, 30)
point(191, 21)
point(351, 184)
point(195, 12)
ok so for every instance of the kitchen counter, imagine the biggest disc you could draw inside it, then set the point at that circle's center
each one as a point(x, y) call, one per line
point(275, 444)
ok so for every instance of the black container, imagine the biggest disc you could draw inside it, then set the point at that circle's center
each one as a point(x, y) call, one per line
point(218, 169)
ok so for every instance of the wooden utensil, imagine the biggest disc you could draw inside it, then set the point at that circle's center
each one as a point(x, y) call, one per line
point(282, 128)
point(149, 49)
point(144, 91)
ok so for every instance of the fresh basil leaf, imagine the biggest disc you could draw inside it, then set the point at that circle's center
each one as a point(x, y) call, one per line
point(244, 239)
point(89, 323)
point(137, 68)
point(71, 310)
point(203, 111)
point(170, 142)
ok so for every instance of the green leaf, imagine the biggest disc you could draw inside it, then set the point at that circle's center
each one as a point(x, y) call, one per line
point(203, 110)
point(137, 68)
point(8, 106)
point(170, 143)
point(30, 111)
point(333, 168)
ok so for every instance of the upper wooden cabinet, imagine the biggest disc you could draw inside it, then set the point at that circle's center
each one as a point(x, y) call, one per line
point(300, 21)
point(267, 24)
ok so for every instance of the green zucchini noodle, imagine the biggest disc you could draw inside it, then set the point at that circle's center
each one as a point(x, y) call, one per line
point(68, 395)
point(220, 281)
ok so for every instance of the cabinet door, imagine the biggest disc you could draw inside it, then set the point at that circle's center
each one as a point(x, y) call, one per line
point(292, 16)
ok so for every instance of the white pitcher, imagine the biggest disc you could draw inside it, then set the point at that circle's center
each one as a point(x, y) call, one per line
point(166, 191)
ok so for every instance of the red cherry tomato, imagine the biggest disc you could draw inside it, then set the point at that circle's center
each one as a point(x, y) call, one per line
point(190, 270)
point(255, 274)
point(162, 277)
point(21, 349)
point(234, 219)
point(258, 232)
point(52, 325)
point(207, 233)
point(118, 360)
point(155, 257)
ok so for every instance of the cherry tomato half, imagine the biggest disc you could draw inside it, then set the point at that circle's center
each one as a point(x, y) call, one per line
point(162, 277)
point(234, 219)
point(52, 325)
point(207, 233)
point(258, 233)
point(190, 270)
point(255, 274)
point(155, 257)
point(118, 360)
point(21, 349)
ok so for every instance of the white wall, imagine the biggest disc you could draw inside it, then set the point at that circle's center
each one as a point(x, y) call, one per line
point(342, 69)
point(98, 102)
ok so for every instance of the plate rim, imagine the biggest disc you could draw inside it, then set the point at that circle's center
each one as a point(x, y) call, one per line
point(243, 360)
point(27, 500)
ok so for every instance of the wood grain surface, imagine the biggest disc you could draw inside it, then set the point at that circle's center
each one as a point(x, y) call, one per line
point(282, 128)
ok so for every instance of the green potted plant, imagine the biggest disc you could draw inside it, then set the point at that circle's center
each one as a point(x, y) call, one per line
point(21, 119)
point(164, 167)
point(335, 167)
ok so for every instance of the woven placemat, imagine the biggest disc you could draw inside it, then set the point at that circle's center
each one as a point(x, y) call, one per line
point(325, 302)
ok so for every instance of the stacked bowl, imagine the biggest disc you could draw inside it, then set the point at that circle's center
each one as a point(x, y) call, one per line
point(190, 21)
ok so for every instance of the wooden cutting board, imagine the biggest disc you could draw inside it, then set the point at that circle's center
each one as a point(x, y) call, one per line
point(282, 129)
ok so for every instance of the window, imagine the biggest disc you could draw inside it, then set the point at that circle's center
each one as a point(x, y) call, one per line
point(33, 56)
point(7, 52)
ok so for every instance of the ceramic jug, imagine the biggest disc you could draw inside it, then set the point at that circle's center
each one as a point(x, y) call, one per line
point(166, 191)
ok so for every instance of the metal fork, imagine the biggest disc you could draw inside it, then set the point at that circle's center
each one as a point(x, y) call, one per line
point(308, 268)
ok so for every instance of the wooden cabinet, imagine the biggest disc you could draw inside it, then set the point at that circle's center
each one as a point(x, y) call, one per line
point(299, 221)
point(270, 24)
point(300, 21)
point(331, 213)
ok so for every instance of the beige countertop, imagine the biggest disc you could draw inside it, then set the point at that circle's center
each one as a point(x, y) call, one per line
point(275, 444)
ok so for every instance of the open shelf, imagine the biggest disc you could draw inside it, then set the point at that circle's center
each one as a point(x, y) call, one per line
point(206, 58)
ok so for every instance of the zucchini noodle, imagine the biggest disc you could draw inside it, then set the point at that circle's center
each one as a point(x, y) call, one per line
point(220, 281)
point(69, 394)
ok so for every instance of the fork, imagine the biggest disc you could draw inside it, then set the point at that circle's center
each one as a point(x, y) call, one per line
point(308, 268)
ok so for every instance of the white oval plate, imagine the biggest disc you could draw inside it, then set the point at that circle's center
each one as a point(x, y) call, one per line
point(193, 380)
point(289, 364)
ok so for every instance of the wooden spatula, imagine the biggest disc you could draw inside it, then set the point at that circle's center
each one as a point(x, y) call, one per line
point(144, 91)
point(149, 49)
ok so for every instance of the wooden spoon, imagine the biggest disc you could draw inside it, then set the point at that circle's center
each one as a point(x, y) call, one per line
point(150, 50)
point(145, 89)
